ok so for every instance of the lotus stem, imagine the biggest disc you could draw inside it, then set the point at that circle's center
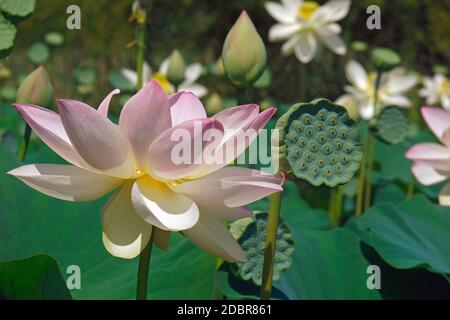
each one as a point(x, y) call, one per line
point(24, 143)
point(143, 270)
point(270, 245)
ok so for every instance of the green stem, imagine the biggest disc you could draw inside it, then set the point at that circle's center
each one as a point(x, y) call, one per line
point(410, 190)
point(332, 205)
point(144, 267)
point(337, 212)
point(370, 159)
point(140, 55)
point(241, 93)
point(302, 82)
point(361, 179)
point(269, 248)
point(370, 147)
point(24, 143)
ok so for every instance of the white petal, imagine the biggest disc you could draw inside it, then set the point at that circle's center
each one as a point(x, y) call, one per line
point(357, 75)
point(292, 5)
point(211, 235)
point(444, 196)
point(306, 47)
point(197, 89)
point(164, 67)
point(426, 174)
point(332, 11)
point(280, 13)
point(288, 46)
point(66, 182)
point(125, 234)
point(192, 73)
point(332, 40)
point(397, 100)
point(130, 75)
point(283, 31)
point(159, 205)
point(146, 73)
point(399, 84)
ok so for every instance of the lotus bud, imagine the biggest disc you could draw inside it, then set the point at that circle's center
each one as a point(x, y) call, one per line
point(214, 104)
point(244, 54)
point(385, 59)
point(177, 67)
point(36, 88)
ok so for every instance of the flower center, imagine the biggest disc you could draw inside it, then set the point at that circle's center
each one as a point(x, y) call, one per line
point(306, 9)
point(445, 86)
point(163, 82)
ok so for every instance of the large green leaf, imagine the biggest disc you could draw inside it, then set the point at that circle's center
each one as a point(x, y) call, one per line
point(31, 223)
point(413, 234)
point(7, 33)
point(33, 278)
point(19, 8)
point(327, 265)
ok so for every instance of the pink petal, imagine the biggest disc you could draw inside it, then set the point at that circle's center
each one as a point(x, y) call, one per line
point(144, 117)
point(97, 139)
point(236, 118)
point(229, 214)
point(48, 127)
point(211, 235)
point(427, 175)
point(230, 187)
point(236, 140)
point(428, 151)
point(186, 139)
point(66, 182)
point(125, 234)
point(185, 106)
point(104, 105)
point(159, 205)
point(438, 120)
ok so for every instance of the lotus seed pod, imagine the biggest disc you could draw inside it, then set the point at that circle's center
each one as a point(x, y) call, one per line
point(392, 125)
point(251, 235)
point(318, 142)
point(385, 59)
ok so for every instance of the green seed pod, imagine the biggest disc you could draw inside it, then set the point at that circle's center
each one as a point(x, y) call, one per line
point(327, 150)
point(251, 235)
point(392, 125)
point(385, 59)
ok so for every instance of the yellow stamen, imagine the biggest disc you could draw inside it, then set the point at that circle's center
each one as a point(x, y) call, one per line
point(306, 9)
point(163, 82)
point(445, 86)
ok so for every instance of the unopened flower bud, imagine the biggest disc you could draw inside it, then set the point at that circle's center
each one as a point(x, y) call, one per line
point(36, 88)
point(177, 67)
point(214, 104)
point(244, 53)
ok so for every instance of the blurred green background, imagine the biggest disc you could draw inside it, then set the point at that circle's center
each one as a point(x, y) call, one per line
point(418, 30)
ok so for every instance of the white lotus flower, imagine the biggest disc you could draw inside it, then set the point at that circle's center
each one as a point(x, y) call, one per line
point(303, 23)
point(360, 97)
point(436, 90)
point(192, 73)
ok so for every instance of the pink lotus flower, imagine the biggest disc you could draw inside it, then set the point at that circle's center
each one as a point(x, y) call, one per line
point(431, 160)
point(135, 157)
